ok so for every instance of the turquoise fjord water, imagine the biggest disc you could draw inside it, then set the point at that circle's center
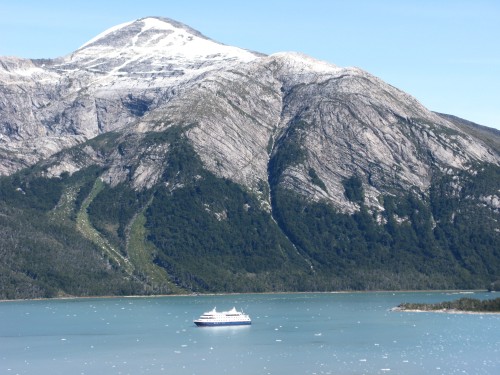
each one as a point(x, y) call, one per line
point(344, 334)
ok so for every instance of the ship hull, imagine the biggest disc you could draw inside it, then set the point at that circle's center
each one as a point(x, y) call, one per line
point(221, 324)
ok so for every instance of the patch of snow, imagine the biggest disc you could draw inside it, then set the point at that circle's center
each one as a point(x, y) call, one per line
point(301, 62)
point(106, 32)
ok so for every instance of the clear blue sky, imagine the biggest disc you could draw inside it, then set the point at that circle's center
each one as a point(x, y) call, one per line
point(446, 53)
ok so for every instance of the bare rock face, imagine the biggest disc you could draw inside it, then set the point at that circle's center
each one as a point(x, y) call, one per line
point(358, 125)
point(110, 82)
point(346, 121)
point(239, 110)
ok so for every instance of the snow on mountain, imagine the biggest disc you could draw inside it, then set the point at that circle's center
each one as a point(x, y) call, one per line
point(14, 70)
point(153, 46)
point(107, 83)
point(141, 72)
point(161, 35)
point(105, 33)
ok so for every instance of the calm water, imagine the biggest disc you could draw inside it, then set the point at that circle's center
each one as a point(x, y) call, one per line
point(291, 334)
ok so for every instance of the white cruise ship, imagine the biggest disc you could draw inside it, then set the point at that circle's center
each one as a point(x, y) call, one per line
point(223, 318)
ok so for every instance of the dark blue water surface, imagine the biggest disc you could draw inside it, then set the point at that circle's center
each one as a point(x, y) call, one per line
point(346, 333)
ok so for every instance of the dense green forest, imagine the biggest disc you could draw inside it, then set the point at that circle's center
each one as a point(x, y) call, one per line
point(462, 304)
point(213, 235)
point(196, 232)
point(41, 252)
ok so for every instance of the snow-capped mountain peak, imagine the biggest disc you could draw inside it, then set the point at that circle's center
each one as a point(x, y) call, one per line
point(147, 68)
point(153, 42)
point(152, 25)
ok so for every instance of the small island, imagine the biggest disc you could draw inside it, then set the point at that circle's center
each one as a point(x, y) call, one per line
point(471, 305)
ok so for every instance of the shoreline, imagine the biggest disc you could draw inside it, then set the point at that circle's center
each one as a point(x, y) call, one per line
point(446, 311)
point(62, 298)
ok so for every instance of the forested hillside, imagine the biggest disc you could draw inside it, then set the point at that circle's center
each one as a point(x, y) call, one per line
point(76, 235)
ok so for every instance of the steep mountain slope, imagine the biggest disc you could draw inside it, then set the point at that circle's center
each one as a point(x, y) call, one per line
point(109, 82)
point(489, 136)
point(187, 165)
